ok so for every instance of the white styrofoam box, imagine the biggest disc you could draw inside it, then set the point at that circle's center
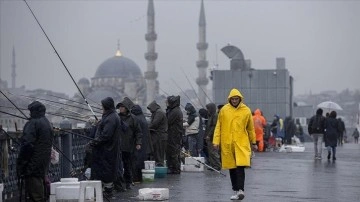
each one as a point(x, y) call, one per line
point(52, 198)
point(153, 194)
point(149, 165)
point(87, 188)
point(194, 168)
point(194, 160)
point(69, 179)
point(72, 192)
point(54, 185)
point(148, 175)
point(67, 192)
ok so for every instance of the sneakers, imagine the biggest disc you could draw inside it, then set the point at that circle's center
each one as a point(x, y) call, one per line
point(238, 195)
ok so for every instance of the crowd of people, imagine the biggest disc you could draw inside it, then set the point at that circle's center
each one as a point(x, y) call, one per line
point(225, 135)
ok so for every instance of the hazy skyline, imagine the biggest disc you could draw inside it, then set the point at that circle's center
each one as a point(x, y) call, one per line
point(319, 39)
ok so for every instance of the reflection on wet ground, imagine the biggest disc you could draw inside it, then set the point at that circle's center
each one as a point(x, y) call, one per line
point(274, 176)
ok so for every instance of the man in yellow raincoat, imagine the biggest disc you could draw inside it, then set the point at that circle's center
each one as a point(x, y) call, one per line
point(234, 133)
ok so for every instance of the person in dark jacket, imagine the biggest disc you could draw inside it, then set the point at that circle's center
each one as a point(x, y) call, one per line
point(290, 129)
point(131, 140)
point(191, 127)
point(158, 130)
point(35, 150)
point(106, 147)
point(332, 131)
point(214, 155)
point(142, 154)
point(201, 143)
point(175, 130)
point(316, 130)
point(342, 133)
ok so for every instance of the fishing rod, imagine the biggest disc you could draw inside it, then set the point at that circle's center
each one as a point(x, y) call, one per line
point(183, 92)
point(52, 101)
point(188, 155)
point(14, 105)
point(74, 101)
point(61, 59)
point(50, 113)
point(13, 115)
point(192, 88)
point(197, 85)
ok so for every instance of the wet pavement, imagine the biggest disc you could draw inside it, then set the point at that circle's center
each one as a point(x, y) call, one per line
point(273, 176)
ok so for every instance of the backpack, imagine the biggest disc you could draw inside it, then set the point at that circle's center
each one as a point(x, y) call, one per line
point(317, 126)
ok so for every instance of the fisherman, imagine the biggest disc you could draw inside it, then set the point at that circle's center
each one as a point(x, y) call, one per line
point(290, 129)
point(158, 130)
point(175, 129)
point(191, 127)
point(35, 150)
point(143, 153)
point(105, 147)
point(214, 156)
point(201, 143)
point(131, 140)
point(234, 133)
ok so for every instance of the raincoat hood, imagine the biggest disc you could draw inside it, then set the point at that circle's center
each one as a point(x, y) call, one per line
point(37, 109)
point(127, 103)
point(235, 93)
point(203, 113)
point(108, 103)
point(190, 109)
point(173, 101)
point(153, 106)
point(211, 108)
point(136, 110)
point(257, 112)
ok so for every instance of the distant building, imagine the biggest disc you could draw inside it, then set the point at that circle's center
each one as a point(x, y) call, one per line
point(270, 90)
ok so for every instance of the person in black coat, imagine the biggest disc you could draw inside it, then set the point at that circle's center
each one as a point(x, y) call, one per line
point(332, 131)
point(175, 130)
point(143, 153)
point(106, 147)
point(290, 129)
point(35, 150)
point(158, 130)
point(131, 140)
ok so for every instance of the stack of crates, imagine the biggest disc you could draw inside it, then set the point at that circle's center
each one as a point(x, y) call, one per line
point(148, 174)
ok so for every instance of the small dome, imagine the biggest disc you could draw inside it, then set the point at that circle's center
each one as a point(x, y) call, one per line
point(118, 66)
point(84, 81)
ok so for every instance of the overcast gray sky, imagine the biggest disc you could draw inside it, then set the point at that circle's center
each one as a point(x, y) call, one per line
point(319, 39)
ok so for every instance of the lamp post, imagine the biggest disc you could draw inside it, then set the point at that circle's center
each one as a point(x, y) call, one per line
point(276, 96)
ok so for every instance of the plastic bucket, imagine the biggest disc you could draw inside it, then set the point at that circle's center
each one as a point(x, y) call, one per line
point(160, 172)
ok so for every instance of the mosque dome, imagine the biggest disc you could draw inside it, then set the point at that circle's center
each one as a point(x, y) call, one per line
point(84, 81)
point(118, 66)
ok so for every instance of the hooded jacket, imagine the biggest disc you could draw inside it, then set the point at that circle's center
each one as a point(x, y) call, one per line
point(106, 144)
point(234, 132)
point(211, 124)
point(192, 124)
point(133, 134)
point(259, 124)
point(158, 123)
point(36, 143)
point(175, 118)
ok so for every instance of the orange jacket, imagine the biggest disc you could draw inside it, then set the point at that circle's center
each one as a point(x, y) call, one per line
point(259, 124)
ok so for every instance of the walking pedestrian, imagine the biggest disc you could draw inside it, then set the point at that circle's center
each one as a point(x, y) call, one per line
point(235, 134)
point(356, 136)
point(342, 133)
point(35, 150)
point(332, 133)
point(316, 130)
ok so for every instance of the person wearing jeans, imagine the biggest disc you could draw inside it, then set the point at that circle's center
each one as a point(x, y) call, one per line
point(316, 130)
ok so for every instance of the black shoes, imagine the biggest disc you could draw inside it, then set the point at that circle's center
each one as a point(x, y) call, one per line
point(329, 155)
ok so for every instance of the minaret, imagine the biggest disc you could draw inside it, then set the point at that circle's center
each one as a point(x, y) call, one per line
point(151, 55)
point(202, 63)
point(13, 67)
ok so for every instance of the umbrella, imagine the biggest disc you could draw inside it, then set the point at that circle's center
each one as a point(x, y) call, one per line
point(329, 105)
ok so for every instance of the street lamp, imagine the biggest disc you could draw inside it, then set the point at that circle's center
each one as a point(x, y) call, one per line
point(276, 99)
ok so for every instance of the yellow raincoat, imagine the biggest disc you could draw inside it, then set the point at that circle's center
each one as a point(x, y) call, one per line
point(235, 133)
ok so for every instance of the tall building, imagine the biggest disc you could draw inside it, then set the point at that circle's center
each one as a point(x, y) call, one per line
point(202, 63)
point(151, 55)
point(270, 90)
